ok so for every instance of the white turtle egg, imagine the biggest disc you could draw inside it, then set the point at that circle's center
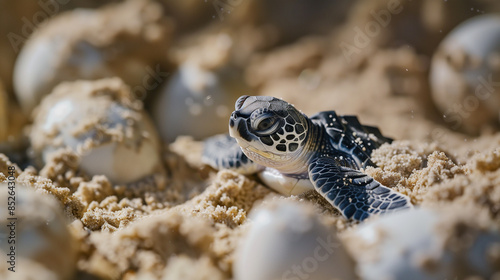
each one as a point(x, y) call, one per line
point(464, 76)
point(37, 230)
point(102, 124)
point(194, 102)
point(200, 96)
point(287, 241)
point(421, 244)
point(125, 40)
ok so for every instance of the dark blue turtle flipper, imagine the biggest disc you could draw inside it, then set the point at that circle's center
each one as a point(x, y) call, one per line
point(349, 135)
point(223, 152)
point(354, 193)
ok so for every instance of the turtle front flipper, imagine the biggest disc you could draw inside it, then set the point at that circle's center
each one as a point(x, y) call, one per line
point(354, 193)
point(223, 152)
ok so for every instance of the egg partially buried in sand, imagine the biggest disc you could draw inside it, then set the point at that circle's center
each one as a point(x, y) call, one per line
point(126, 40)
point(287, 241)
point(424, 244)
point(200, 96)
point(195, 102)
point(465, 74)
point(102, 124)
point(43, 245)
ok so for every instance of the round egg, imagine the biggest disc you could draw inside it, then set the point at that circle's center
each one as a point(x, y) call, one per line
point(38, 233)
point(421, 244)
point(465, 74)
point(287, 241)
point(193, 103)
point(103, 124)
point(199, 97)
point(126, 40)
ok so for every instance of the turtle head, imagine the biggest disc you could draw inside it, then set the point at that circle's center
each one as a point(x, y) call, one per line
point(269, 130)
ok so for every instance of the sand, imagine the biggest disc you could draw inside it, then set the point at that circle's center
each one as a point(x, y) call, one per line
point(158, 234)
point(190, 228)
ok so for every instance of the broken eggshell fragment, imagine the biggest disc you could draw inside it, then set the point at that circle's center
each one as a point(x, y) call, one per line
point(287, 241)
point(465, 74)
point(102, 124)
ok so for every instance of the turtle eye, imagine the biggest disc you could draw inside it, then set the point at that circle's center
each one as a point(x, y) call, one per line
point(266, 124)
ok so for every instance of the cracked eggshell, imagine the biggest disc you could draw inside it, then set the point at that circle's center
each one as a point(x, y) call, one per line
point(41, 233)
point(421, 244)
point(287, 241)
point(127, 40)
point(103, 125)
point(464, 75)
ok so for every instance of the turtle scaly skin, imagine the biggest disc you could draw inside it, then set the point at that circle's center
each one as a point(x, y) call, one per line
point(293, 153)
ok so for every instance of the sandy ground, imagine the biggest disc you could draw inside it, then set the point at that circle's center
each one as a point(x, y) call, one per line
point(189, 228)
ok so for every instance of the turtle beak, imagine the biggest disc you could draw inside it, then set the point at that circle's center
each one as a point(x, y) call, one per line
point(238, 127)
point(232, 120)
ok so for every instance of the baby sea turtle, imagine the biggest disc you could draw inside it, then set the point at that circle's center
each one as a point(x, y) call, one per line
point(293, 153)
